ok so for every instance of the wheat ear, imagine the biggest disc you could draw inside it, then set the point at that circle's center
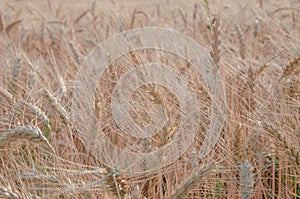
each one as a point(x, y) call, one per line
point(216, 43)
point(291, 67)
point(246, 180)
point(6, 193)
point(242, 42)
point(6, 93)
point(193, 181)
point(40, 114)
point(1, 22)
point(291, 151)
point(59, 108)
point(27, 132)
point(115, 182)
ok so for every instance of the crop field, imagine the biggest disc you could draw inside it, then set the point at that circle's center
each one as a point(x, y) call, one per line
point(150, 99)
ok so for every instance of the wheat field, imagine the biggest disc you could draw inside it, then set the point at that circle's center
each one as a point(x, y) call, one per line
point(54, 130)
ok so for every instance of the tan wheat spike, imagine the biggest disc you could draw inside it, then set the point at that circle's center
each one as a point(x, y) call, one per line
point(66, 120)
point(40, 114)
point(98, 104)
point(1, 22)
point(6, 93)
point(16, 71)
point(246, 180)
point(11, 25)
point(260, 70)
point(132, 19)
point(135, 58)
point(54, 102)
point(37, 177)
point(216, 43)
point(292, 152)
point(115, 183)
point(81, 16)
point(62, 87)
point(27, 132)
point(7, 193)
point(241, 41)
point(291, 67)
point(193, 181)
point(75, 52)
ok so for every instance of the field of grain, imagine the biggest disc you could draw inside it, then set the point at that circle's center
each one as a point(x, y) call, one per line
point(60, 136)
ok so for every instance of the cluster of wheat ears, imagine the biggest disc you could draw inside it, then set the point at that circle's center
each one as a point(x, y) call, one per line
point(255, 45)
